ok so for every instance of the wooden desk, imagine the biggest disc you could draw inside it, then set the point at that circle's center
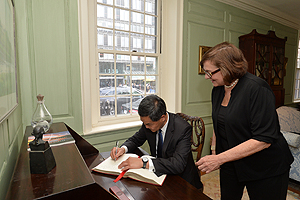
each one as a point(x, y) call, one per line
point(72, 177)
point(174, 186)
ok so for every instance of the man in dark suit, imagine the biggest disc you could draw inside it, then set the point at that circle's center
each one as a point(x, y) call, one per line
point(176, 156)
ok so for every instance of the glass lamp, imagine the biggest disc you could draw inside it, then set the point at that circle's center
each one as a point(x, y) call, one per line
point(41, 115)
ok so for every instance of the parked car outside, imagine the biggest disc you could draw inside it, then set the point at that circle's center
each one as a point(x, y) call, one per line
point(135, 106)
point(107, 99)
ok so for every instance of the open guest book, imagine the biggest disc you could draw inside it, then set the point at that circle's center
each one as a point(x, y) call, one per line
point(110, 166)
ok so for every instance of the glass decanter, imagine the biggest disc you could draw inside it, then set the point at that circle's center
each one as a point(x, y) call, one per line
point(41, 115)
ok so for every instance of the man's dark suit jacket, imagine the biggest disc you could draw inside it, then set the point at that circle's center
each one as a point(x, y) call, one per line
point(176, 153)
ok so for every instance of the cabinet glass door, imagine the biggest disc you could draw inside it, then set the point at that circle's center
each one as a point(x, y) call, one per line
point(262, 61)
point(277, 66)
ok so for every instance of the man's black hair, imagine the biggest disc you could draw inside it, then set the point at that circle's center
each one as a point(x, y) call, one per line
point(152, 106)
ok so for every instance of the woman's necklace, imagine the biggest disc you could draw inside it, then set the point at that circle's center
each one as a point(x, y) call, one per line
point(232, 84)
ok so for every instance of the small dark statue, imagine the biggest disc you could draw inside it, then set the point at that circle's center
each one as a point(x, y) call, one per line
point(41, 157)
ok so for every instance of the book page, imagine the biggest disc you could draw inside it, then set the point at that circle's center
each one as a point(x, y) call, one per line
point(110, 166)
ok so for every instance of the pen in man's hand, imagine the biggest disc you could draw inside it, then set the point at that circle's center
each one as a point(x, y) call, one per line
point(117, 145)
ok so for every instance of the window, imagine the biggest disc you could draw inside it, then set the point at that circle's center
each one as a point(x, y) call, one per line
point(122, 62)
point(297, 78)
point(127, 54)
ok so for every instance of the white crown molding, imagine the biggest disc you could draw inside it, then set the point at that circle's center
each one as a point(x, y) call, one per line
point(264, 11)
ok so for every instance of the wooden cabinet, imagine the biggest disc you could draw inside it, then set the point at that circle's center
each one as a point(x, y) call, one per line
point(265, 56)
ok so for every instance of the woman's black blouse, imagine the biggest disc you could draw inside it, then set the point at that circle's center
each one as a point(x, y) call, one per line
point(251, 114)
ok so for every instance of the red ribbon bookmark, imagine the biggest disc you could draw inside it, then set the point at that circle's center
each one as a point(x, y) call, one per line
point(120, 176)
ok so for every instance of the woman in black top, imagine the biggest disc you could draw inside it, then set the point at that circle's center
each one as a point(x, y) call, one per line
point(247, 144)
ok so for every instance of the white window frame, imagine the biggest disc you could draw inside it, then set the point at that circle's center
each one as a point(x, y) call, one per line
point(170, 65)
point(297, 70)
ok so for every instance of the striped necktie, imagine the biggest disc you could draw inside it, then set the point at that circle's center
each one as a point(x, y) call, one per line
point(160, 144)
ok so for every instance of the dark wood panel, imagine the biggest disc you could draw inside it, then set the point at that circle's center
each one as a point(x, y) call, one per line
point(279, 96)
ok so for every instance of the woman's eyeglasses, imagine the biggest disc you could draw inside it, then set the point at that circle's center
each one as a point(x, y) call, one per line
point(210, 74)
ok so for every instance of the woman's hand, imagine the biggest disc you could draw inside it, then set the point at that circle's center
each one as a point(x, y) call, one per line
point(212, 162)
point(213, 152)
point(208, 163)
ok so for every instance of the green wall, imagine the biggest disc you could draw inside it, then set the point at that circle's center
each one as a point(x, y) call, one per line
point(49, 45)
point(47, 55)
point(47, 40)
point(106, 141)
point(11, 135)
point(207, 23)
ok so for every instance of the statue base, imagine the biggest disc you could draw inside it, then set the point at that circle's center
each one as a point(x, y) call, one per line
point(41, 159)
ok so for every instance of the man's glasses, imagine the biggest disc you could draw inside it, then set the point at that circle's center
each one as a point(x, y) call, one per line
point(210, 74)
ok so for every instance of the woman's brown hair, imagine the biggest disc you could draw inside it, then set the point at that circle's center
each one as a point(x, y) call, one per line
point(229, 59)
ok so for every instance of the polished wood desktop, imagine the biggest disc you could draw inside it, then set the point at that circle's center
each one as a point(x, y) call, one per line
point(72, 177)
point(174, 186)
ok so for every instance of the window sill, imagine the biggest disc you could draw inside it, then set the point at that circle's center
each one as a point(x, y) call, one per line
point(114, 127)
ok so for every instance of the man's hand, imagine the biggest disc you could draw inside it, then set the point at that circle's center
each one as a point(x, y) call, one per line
point(120, 152)
point(131, 163)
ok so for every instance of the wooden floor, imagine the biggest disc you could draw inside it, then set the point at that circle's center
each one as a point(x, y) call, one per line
point(294, 186)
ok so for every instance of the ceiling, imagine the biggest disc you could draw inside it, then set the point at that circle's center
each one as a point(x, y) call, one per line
point(289, 7)
point(286, 12)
